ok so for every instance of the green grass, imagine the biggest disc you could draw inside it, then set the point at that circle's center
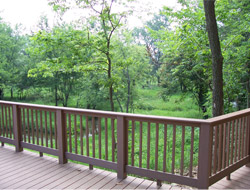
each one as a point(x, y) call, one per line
point(150, 103)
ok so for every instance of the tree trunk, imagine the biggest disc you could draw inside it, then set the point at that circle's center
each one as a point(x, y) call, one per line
point(56, 99)
point(11, 93)
point(217, 58)
point(111, 85)
point(129, 91)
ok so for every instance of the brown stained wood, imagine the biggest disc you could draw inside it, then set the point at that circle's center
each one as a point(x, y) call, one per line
point(239, 143)
point(113, 139)
point(4, 130)
point(228, 143)
point(81, 135)
point(148, 146)
point(6, 122)
point(113, 115)
point(28, 123)
point(224, 146)
point(41, 126)
point(32, 127)
point(215, 150)
point(70, 133)
point(1, 129)
point(75, 129)
point(75, 134)
point(10, 121)
point(191, 153)
point(133, 144)
point(87, 135)
point(55, 131)
point(140, 146)
point(93, 137)
point(243, 138)
point(236, 140)
point(173, 149)
point(50, 130)
point(248, 135)
point(165, 148)
point(37, 130)
point(156, 145)
point(182, 150)
point(24, 126)
point(46, 129)
point(106, 139)
point(232, 143)
point(100, 136)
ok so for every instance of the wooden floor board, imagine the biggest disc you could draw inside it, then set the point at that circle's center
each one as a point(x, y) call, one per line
point(104, 181)
point(26, 170)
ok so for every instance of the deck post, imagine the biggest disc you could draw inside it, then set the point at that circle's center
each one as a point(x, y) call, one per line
point(17, 128)
point(248, 136)
point(122, 147)
point(205, 156)
point(62, 138)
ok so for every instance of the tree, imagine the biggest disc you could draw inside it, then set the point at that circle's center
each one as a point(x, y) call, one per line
point(217, 58)
point(104, 22)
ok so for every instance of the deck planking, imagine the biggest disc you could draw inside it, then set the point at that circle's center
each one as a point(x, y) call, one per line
point(26, 170)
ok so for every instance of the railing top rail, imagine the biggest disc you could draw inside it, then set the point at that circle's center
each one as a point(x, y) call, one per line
point(139, 117)
point(229, 117)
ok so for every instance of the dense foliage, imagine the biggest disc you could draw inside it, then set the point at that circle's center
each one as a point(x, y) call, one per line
point(98, 63)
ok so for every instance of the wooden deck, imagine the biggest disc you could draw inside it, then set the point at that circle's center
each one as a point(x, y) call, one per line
point(26, 170)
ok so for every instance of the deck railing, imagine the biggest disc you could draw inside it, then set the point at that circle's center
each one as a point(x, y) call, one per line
point(191, 152)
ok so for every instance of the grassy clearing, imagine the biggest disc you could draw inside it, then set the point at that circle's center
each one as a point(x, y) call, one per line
point(150, 103)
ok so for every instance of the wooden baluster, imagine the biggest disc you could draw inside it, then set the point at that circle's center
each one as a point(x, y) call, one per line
point(75, 125)
point(228, 142)
point(28, 124)
point(224, 146)
point(32, 126)
point(165, 148)
point(41, 126)
point(182, 150)
point(148, 146)
point(173, 149)
point(46, 129)
point(37, 131)
point(113, 140)
point(41, 130)
point(55, 130)
point(100, 137)
point(239, 143)
point(93, 137)
point(87, 135)
point(243, 137)
point(236, 141)
point(24, 126)
point(106, 139)
point(4, 131)
point(215, 150)
point(140, 147)
point(81, 135)
point(156, 145)
point(191, 153)
point(70, 133)
point(10, 122)
point(232, 142)
point(50, 130)
point(133, 144)
point(6, 122)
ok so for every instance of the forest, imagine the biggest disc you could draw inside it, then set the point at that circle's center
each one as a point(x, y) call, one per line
point(98, 62)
